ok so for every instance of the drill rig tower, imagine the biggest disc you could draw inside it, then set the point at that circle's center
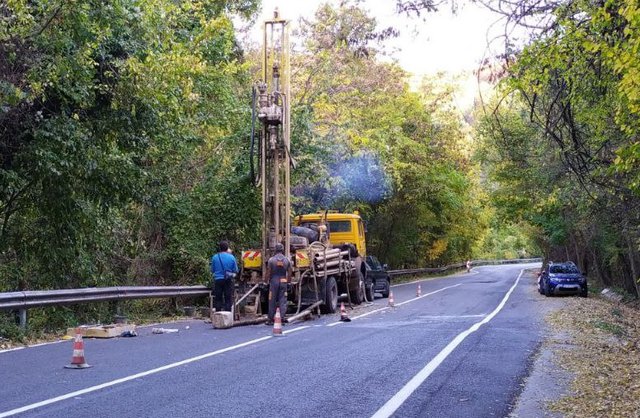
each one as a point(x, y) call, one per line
point(273, 111)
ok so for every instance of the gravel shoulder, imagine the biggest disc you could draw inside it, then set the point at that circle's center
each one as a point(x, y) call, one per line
point(588, 364)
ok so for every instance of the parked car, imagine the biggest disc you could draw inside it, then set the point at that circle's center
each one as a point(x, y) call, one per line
point(379, 276)
point(562, 279)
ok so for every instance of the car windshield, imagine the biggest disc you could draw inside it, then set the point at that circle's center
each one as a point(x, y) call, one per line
point(563, 269)
point(373, 263)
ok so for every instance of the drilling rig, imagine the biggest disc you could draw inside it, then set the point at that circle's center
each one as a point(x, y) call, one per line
point(326, 263)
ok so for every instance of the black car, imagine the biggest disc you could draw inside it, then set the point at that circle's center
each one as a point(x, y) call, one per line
point(378, 275)
point(561, 279)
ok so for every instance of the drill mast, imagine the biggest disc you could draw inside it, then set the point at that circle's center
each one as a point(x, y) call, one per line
point(273, 110)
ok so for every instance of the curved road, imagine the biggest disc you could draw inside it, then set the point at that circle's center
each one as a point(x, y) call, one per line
point(462, 349)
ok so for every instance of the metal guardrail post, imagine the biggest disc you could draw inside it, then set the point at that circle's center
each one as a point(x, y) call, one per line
point(23, 318)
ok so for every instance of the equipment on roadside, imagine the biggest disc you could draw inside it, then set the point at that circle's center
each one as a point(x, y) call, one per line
point(326, 249)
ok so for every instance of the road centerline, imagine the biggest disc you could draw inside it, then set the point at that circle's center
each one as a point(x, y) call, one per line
point(333, 324)
point(392, 405)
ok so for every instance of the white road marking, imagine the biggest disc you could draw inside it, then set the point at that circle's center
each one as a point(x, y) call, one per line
point(31, 346)
point(461, 274)
point(138, 375)
point(399, 398)
point(333, 324)
point(451, 316)
point(289, 331)
point(428, 294)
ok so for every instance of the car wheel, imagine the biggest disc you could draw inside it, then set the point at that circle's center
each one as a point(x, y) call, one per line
point(331, 296)
point(387, 288)
point(369, 292)
point(584, 292)
point(547, 289)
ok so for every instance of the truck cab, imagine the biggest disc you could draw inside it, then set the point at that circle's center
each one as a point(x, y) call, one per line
point(343, 228)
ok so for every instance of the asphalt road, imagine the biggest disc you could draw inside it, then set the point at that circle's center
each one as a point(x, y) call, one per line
point(461, 350)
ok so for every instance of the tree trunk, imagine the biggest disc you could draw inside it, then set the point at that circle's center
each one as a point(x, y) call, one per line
point(632, 263)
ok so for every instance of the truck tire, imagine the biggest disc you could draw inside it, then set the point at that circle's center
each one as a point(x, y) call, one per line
point(330, 304)
point(357, 295)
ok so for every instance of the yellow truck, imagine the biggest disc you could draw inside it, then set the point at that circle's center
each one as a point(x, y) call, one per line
point(327, 251)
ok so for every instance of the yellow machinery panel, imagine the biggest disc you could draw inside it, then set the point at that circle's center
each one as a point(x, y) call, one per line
point(302, 258)
point(252, 259)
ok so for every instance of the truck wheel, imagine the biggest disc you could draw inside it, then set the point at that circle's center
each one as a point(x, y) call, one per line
point(330, 296)
point(357, 296)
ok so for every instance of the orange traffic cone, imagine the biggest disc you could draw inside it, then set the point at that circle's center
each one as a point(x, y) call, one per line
point(391, 302)
point(77, 361)
point(277, 324)
point(343, 313)
point(419, 291)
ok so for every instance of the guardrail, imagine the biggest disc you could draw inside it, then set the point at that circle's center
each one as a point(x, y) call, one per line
point(38, 298)
point(431, 270)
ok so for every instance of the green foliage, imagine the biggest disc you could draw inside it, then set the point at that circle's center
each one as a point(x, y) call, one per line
point(110, 113)
point(364, 141)
point(562, 145)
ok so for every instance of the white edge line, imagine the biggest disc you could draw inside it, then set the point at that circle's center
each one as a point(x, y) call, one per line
point(32, 346)
point(333, 324)
point(12, 349)
point(399, 398)
point(139, 375)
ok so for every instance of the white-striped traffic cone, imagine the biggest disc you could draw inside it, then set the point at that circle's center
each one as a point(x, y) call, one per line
point(78, 361)
point(277, 324)
point(419, 291)
point(391, 302)
point(343, 313)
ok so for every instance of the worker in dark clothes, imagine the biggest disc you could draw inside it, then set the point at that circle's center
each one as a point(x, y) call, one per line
point(278, 274)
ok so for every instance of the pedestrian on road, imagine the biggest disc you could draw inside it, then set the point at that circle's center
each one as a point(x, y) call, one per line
point(278, 274)
point(224, 269)
point(468, 266)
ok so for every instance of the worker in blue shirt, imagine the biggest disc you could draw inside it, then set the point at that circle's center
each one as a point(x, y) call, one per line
point(224, 269)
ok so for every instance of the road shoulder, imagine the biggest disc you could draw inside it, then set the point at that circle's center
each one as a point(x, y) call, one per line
point(546, 381)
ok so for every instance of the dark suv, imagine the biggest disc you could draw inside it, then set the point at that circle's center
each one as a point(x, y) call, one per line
point(561, 279)
point(378, 275)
